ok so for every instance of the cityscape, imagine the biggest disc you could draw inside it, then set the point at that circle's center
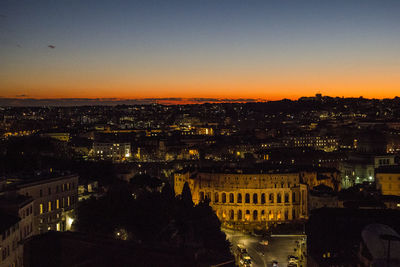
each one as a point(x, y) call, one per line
point(200, 133)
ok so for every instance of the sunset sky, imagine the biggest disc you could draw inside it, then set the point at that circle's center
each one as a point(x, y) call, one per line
point(217, 48)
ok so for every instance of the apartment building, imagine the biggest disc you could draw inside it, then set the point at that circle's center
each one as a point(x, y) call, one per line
point(54, 201)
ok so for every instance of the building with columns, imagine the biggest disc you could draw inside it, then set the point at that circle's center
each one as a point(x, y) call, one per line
point(248, 198)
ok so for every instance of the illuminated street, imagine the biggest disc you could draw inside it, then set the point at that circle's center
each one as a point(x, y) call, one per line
point(278, 248)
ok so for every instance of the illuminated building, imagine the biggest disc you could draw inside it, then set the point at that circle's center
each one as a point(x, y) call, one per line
point(65, 137)
point(54, 201)
point(326, 143)
point(112, 151)
point(248, 198)
point(361, 167)
point(388, 180)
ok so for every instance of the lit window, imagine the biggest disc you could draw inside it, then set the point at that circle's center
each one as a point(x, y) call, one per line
point(68, 201)
point(41, 208)
point(57, 204)
point(49, 205)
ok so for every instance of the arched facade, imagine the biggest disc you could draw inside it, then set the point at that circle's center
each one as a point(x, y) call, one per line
point(248, 199)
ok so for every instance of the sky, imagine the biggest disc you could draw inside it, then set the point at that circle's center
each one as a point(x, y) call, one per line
point(204, 49)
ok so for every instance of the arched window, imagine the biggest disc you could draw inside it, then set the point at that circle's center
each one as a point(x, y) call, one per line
point(239, 215)
point(279, 198)
point(271, 198)
point(239, 198)
point(219, 213)
point(247, 216)
point(216, 197)
point(263, 215)
point(231, 215)
point(270, 215)
point(262, 198)
point(247, 198)
point(208, 195)
point(201, 196)
point(286, 215)
point(255, 215)
point(294, 197)
point(231, 200)
point(278, 215)
point(255, 198)
point(223, 198)
point(286, 197)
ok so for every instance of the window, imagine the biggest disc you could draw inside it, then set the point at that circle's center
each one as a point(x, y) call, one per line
point(223, 198)
point(41, 209)
point(40, 193)
point(49, 204)
point(262, 198)
point(201, 196)
point(293, 197)
point(271, 198)
point(57, 204)
point(271, 215)
point(255, 215)
point(68, 201)
point(286, 198)
point(239, 215)
point(279, 198)
point(231, 200)
point(255, 198)
point(231, 215)
point(247, 215)
point(239, 198)
point(247, 198)
point(216, 197)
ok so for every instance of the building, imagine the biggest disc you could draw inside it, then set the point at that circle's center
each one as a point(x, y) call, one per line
point(10, 250)
point(326, 143)
point(388, 180)
point(248, 198)
point(360, 167)
point(54, 201)
point(16, 225)
point(321, 176)
point(322, 197)
point(112, 151)
point(64, 137)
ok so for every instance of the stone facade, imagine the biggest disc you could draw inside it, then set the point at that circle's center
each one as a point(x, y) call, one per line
point(54, 201)
point(248, 200)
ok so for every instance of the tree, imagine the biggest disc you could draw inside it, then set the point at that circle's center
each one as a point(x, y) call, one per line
point(187, 196)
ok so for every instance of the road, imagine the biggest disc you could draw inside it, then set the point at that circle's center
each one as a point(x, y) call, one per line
point(278, 248)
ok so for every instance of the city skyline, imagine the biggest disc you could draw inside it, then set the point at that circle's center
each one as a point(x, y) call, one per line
point(199, 49)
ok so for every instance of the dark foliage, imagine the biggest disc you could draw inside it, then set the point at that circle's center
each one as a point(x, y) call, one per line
point(156, 218)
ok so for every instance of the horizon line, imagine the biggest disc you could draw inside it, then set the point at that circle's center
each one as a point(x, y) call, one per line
point(107, 101)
